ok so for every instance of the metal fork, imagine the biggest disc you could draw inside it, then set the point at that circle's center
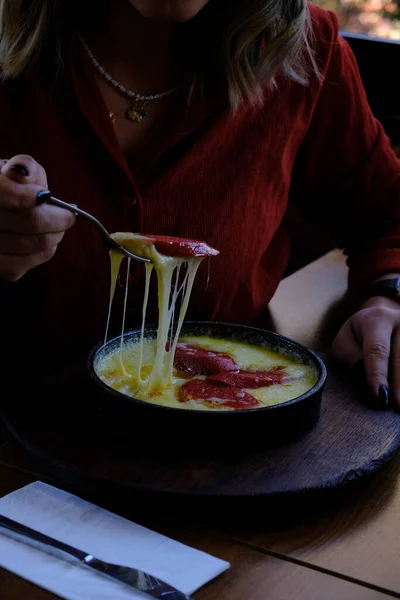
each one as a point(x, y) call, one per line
point(46, 197)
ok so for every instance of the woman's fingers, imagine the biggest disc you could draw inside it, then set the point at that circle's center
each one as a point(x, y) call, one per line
point(372, 335)
point(22, 178)
point(44, 218)
point(395, 367)
point(29, 234)
point(15, 195)
point(377, 337)
point(347, 346)
point(25, 169)
point(23, 245)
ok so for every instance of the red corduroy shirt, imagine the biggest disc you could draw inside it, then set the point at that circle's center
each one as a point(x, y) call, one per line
point(212, 176)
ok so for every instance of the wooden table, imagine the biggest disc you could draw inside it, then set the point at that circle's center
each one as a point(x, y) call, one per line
point(348, 551)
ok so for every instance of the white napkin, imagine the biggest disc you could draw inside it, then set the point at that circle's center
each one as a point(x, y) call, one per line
point(101, 533)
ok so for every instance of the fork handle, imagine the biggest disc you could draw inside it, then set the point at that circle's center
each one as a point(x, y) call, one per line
point(46, 197)
point(42, 197)
point(40, 537)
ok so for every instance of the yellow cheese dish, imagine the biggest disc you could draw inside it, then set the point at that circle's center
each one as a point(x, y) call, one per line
point(192, 373)
point(298, 377)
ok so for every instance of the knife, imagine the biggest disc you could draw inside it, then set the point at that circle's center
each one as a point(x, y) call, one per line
point(139, 580)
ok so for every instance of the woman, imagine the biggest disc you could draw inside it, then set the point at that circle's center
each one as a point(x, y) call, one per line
point(244, 104)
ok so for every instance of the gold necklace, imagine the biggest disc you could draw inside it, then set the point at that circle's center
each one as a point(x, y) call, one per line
point(136, 110)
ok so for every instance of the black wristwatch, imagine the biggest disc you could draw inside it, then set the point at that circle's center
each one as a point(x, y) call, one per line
point(390, 288)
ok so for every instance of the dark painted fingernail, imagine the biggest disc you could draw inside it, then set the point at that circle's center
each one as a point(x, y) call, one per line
point(383, 395)
point(20, 169)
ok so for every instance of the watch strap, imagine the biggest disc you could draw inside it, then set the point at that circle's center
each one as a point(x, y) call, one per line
point(389, 288)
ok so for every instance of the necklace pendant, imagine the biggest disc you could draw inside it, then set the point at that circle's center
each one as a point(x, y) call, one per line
point(136, 112)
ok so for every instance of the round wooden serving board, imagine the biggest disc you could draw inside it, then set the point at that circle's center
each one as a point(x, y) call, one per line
point(80, 447)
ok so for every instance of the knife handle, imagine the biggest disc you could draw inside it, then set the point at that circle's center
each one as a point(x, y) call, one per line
point(40, 537)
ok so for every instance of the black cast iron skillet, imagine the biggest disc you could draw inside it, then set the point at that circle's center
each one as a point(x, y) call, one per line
point(265, 426)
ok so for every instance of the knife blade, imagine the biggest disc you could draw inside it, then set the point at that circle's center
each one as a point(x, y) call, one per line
point(134, 578)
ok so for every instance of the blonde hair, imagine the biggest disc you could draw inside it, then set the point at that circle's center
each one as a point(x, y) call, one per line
point(252, 41)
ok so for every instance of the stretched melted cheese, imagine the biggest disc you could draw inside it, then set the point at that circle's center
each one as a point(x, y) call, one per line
point(170, 290)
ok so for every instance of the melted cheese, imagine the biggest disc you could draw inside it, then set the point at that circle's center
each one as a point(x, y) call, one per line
point(145, 370)
point(246, 356)
point(116, 260)
point(170, 290)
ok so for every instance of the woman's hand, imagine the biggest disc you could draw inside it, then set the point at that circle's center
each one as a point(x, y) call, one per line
point(372, 335)
point(29, 234)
